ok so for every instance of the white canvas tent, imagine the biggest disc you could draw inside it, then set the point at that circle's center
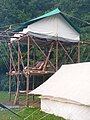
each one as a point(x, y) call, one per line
point(53, 26)
point(67, 92)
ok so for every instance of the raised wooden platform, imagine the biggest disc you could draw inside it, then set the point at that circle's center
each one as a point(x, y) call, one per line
point(32, 72)
point(38, 72)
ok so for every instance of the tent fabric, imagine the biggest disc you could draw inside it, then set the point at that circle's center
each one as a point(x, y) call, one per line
point(54, 12)
point(70, 82)
point(53, 26)
point(66, 110)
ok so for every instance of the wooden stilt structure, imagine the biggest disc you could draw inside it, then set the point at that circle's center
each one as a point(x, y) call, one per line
point(15, 68)
point(54, 65)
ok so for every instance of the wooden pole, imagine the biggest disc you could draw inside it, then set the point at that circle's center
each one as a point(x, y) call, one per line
point(64, 58)
point(21, 58)
point(47, 58)
point(33, 85)
point(43, 53)
point(79, 52)
point(66, 52)
point(10, 77)
point(56, 55)
point(34, 58)
point(16, 101)
point(27, 84)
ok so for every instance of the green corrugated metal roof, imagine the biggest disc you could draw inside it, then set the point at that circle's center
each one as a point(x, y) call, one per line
point(56, 11)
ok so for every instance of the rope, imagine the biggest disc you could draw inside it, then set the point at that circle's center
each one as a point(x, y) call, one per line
point(88, 23)
point(21, 110)
point(31, 114)
point(44, 116)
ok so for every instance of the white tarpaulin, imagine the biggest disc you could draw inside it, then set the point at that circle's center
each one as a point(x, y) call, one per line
point(55, 28)
point(53, 25)
point(69, 90)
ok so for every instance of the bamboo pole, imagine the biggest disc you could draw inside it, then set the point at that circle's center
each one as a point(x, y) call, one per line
point(43, 53)
point(79, 52)
point(27, 84)
point(47, 58)
point(34, 58)
point(56, 55)
point(12, 58)
point(16, 101)
point(21, 58)
point(64, 58)
point(10, 77)
point(33, 85)
point(66, 51)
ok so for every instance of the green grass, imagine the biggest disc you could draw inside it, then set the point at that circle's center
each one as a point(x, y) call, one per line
point(35, 113)
point(4, 97)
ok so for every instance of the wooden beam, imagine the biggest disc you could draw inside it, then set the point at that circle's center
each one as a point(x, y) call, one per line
point(79, 52)
point(21, 58)
point(16, 101)
point(47, 58)
point(56, 55)
point(33, 85)
point(13, 64)
point(64, 58)
point(10, 77)
point(43, 53)
point(11, 32)
point(66, 52)
point(28, 59)
point(6, 36)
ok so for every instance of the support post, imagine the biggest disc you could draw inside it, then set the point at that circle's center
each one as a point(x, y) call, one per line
point(16, 101)
point(34, 58)
point(47, 58)
point(33, 85)
point(27, 83)
point(56, 55)
point(79, 52)
point(10, 77)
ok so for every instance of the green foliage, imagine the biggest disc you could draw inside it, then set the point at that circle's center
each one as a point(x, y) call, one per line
point(37, 114)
